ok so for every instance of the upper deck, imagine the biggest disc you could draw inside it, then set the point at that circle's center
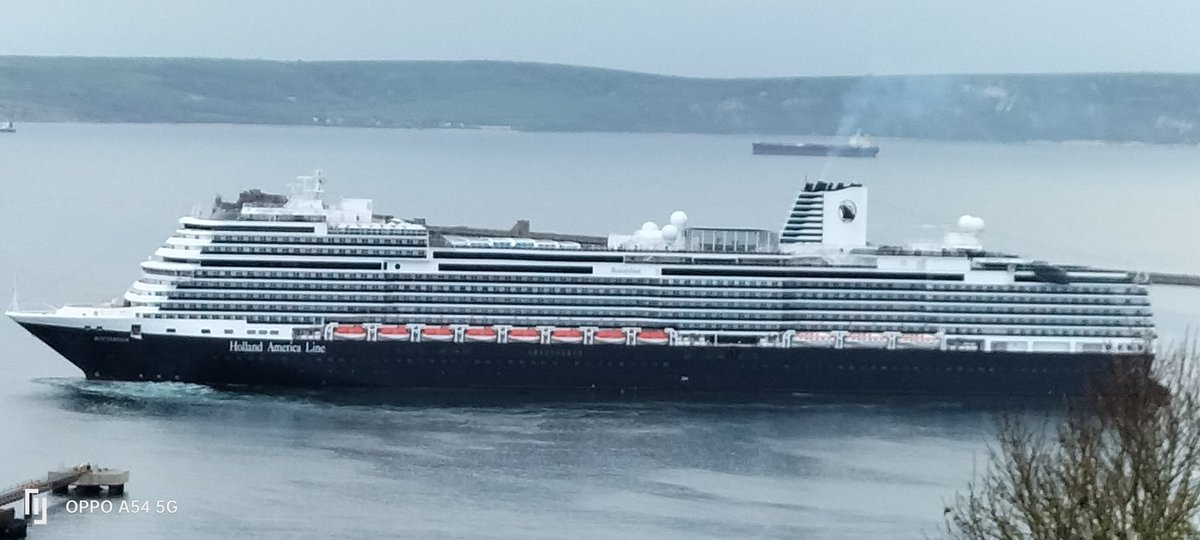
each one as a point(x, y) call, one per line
point(826, 229)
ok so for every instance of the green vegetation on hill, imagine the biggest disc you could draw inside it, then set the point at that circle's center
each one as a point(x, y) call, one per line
point(540, 97)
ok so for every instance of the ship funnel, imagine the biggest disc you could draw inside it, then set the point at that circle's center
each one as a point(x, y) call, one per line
point(828, 213)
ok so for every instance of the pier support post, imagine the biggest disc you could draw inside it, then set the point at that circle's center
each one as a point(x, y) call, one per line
point(87, 489)
point(12, 527)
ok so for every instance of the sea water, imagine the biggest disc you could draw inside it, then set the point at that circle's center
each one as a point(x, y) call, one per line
point(83, 204)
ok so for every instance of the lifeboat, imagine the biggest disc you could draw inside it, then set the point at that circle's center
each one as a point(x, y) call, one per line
point(813, 339)
point(354, 332)
point(918, 341)
point(652, 337)
point(524, 335)
point(437, 333)
point(609, 336)
point(865, 340)
point(480, 333)
point(393, 332)
point(566, 335)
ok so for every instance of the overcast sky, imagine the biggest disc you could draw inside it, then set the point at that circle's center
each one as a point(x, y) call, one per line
point(734, 38)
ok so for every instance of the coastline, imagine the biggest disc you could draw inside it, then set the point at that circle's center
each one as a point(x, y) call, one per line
point(755, 137)
point(523, 96)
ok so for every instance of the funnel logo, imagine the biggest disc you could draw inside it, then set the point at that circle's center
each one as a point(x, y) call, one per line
point(35, 508)
point(847, 211)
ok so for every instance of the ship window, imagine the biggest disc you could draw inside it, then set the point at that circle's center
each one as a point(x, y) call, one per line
point(170, 330)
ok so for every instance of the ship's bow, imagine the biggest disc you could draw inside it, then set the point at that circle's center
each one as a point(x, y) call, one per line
point(93, 344)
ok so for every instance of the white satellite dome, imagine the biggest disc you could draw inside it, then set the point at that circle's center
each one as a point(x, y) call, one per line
point(649, 226)
point(678, 219)
point(670, 232)
point(647, 238)
point(970, 224)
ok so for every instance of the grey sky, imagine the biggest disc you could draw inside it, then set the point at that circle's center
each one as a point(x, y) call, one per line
point(695, 38)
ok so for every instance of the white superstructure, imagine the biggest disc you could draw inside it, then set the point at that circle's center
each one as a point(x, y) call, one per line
point(299, 268)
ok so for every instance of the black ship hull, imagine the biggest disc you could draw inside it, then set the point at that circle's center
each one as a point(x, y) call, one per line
point(812, 149)
point(648, 368)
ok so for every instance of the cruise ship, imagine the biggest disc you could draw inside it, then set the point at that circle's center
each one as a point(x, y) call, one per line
point(277, 290)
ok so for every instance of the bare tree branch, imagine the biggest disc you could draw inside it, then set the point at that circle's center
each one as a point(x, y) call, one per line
point(1121, 462)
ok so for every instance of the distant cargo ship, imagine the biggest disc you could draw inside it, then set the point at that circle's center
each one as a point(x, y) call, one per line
point(8, 128)
point(857, 146)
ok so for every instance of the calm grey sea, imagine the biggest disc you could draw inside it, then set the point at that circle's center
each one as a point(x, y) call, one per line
point(81, 205)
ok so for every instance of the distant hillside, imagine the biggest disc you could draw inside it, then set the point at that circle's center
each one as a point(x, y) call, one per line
point(539, 97)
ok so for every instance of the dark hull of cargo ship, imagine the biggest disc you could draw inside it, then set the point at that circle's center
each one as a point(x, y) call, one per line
point(644, 368)
point(812, 149)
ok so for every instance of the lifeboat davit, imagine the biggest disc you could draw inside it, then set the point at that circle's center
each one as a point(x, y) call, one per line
point(524, 335)
point(609, 336)
point(918, 341)
point(813, 339)
point(480, 333)
point(393, 332)
point(437, 333)
point(566, 335)
point(354, 332)
point(652, 337)
point(865, 340)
